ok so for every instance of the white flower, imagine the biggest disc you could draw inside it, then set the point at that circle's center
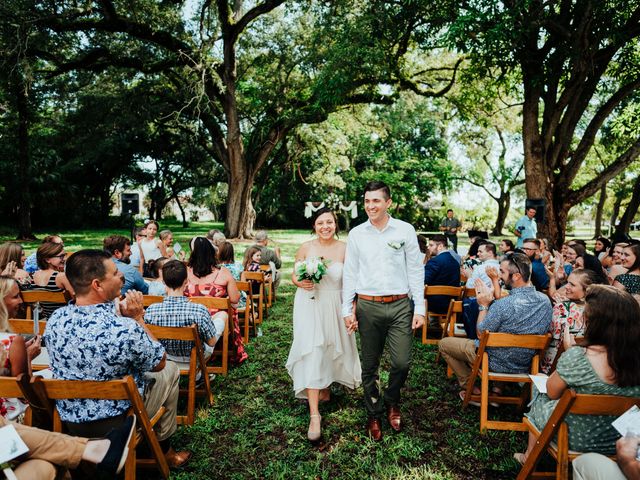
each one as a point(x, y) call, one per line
point(312, 265)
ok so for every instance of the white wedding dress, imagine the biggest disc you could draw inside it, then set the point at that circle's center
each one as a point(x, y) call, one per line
point(322, 351)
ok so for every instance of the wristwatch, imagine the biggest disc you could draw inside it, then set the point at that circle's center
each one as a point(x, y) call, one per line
point(482, 308)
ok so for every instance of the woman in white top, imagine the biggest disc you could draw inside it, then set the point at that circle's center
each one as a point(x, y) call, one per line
point(152, 247)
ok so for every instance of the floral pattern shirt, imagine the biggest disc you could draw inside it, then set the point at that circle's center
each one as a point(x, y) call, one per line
point(93, 343)
point(565, 315)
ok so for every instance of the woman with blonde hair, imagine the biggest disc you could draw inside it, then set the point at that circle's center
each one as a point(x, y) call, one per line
point(12, 259)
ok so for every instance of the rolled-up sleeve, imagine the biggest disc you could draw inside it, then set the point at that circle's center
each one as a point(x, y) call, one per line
point(349, 276)
point(415, 272)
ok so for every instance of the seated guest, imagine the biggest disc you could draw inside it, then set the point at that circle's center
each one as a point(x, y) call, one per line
point(137, 259)
point(486, 256)
point(524, 311)
point(601, 248)
point(218, 240)
point(177, 311)
point(545, 251)
point(119, 247)
point(423, 246)
point(613, 263)
point(174, 251)
point(609, 364)
point(441, 269)
point(567, 312)
point(31, 263)
point(12, 259)
point(252, 257)
point(50, 277)
point(226, 257)
point(208, 279)
point(88, 340)
point(15, 352)
point(506, 246)
point(268, 256)
point(626, 466)
point(586, 260)
point(630, 280)
point(157, 287)
point(539, 278)
point(470, 259)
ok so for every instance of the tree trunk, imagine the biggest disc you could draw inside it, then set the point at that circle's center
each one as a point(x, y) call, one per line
point(25, 229)
point(631, 210)
point(182, 212)
point(240, 213)
point(616, 211)
point(504, 204)
point(105, 204)
point(599, 210)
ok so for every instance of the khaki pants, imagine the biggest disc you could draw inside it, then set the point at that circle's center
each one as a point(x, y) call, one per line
point(459, 353)
point(593, 466)
point(163, 392)
point(46, 449)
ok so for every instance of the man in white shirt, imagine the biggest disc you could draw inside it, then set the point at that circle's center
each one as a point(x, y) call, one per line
point(383, 274)
point(487, 256)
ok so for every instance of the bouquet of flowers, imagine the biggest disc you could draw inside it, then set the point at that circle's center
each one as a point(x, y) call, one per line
point(312, 268)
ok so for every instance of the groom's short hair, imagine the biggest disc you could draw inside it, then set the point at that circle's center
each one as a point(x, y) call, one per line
point(375, 185)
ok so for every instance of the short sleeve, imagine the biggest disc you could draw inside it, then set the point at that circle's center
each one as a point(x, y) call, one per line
point(574, 368)
point(145, 353)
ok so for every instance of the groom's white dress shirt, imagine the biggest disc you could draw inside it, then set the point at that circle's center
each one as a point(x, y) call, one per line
point(383, 262)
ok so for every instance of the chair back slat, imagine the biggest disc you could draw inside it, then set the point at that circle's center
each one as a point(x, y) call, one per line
point(243, 286)
point(212, 302)
point(104, 390)
point(151, 299)
point(470, 292)
point(188, 333)
point(535, 342)
point(32, 296)
point(602, 404)
point(25, 327)
point(255, 276)
point(443, 290)
point(10, 388)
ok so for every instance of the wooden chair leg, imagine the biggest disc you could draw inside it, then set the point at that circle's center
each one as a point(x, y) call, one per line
point(484, 398)
point(562, 471)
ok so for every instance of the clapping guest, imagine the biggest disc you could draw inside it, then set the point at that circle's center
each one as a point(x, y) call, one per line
point(567, 312)
point(12, 259)
point(608, 364)
point(601, 247)
point(613, 262)
point(15, 352)
point(51, 277)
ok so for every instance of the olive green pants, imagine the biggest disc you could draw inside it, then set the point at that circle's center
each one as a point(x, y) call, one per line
point(380, 324)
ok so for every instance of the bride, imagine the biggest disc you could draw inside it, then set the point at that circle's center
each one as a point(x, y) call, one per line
point(322, 351)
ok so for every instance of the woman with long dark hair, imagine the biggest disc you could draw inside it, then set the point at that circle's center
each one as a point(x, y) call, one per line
point(629, 281)
point(208, 279)
point(607, 364)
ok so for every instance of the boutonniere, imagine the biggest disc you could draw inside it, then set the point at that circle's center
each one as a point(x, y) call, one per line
point(396, 245)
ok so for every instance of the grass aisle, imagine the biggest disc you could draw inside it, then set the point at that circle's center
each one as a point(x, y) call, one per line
point(257, 429)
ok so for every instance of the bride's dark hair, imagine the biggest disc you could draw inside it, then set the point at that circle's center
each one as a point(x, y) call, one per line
point(322, 211)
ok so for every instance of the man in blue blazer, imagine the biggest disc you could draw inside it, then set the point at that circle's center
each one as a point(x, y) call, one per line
point(441, 269)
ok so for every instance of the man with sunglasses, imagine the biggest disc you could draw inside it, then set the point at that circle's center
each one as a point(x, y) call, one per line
point(524, 312)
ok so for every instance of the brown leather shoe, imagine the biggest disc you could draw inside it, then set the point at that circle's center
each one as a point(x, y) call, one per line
point(374, 430)
point(393, 415)
point(177, 459)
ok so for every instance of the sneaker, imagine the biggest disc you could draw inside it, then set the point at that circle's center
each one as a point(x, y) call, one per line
point(116, 456)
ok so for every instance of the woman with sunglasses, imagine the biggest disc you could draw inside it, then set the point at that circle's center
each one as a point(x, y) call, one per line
point(51, 278)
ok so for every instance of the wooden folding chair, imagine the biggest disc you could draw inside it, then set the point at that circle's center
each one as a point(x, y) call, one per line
point(247, 312)
point(221, 304)
point(481, 368)
point(429, 290)
point(11, 387)
point(256, 277)
point(469, 292)
point(25, 327)
point(190, 370)
point(452, 328)
point(123, 389)
point(33, 298)
point(151, 299)
point(575, 404)
point(268, 285)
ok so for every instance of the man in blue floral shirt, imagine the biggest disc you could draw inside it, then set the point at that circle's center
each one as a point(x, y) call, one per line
point(88, 340)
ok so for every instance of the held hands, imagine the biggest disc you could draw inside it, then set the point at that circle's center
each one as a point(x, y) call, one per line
point(132, 305)
point(34, 347)
point(351, 323)
point(418, 322)
point(484, 294)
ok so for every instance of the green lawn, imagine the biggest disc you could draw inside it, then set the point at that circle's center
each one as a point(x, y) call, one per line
point(257, 429)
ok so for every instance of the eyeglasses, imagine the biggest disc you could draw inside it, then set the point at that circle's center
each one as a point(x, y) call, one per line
point(529, 249)
point(62, 256)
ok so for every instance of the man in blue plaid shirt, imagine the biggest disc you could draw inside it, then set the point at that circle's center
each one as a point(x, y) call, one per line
point(177, 311)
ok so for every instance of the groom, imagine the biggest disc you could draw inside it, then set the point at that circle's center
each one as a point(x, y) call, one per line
point(383, 274)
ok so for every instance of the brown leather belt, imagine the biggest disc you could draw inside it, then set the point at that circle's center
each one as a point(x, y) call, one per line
point(383, 299)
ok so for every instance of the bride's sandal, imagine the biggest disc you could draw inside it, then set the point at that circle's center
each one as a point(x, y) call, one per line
point(314, 435)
